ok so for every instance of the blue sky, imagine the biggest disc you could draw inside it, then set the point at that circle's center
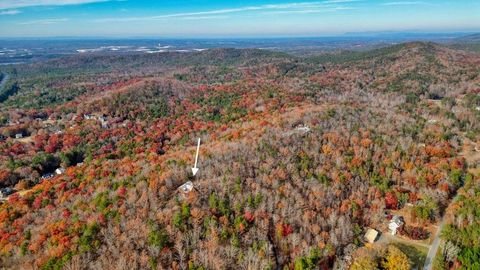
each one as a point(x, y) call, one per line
point(202, 18)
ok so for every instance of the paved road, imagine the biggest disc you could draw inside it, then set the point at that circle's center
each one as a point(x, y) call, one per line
point(436, 241)
point(434, 247)
point(472, 158)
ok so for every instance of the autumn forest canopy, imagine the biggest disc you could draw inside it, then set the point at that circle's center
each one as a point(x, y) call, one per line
point(301, 154)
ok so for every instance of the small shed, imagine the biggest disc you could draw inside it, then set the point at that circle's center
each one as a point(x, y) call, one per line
point(18, 136)
point(371, 235)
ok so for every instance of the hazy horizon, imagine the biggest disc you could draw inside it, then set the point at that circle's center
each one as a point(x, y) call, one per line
point(346, 35)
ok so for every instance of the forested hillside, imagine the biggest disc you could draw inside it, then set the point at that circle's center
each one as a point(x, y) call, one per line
point(299, 157)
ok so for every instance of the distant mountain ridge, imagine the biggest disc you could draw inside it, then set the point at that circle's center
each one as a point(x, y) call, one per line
point(470, 38)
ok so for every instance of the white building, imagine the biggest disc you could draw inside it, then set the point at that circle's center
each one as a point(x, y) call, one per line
point(303, 128)
point(60, 171)
point(371, 235)
point(395, 223)
point(186, 188)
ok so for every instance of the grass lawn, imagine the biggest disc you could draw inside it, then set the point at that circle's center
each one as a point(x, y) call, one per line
point(415, 253)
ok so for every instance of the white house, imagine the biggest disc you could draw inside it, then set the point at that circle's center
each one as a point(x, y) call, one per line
point(303, 128)
point(186, 188)
point(395, 223)
point(60, 171)
point(18, 136)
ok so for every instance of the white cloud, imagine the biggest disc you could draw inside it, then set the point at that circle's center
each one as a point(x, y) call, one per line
point(299, 7)
point(341, 1)
point(403, 3)
point(44, 21)
point(204, 17)
point(308, 11)
point(10, 12)
point(8, 4)
point(174, 15)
